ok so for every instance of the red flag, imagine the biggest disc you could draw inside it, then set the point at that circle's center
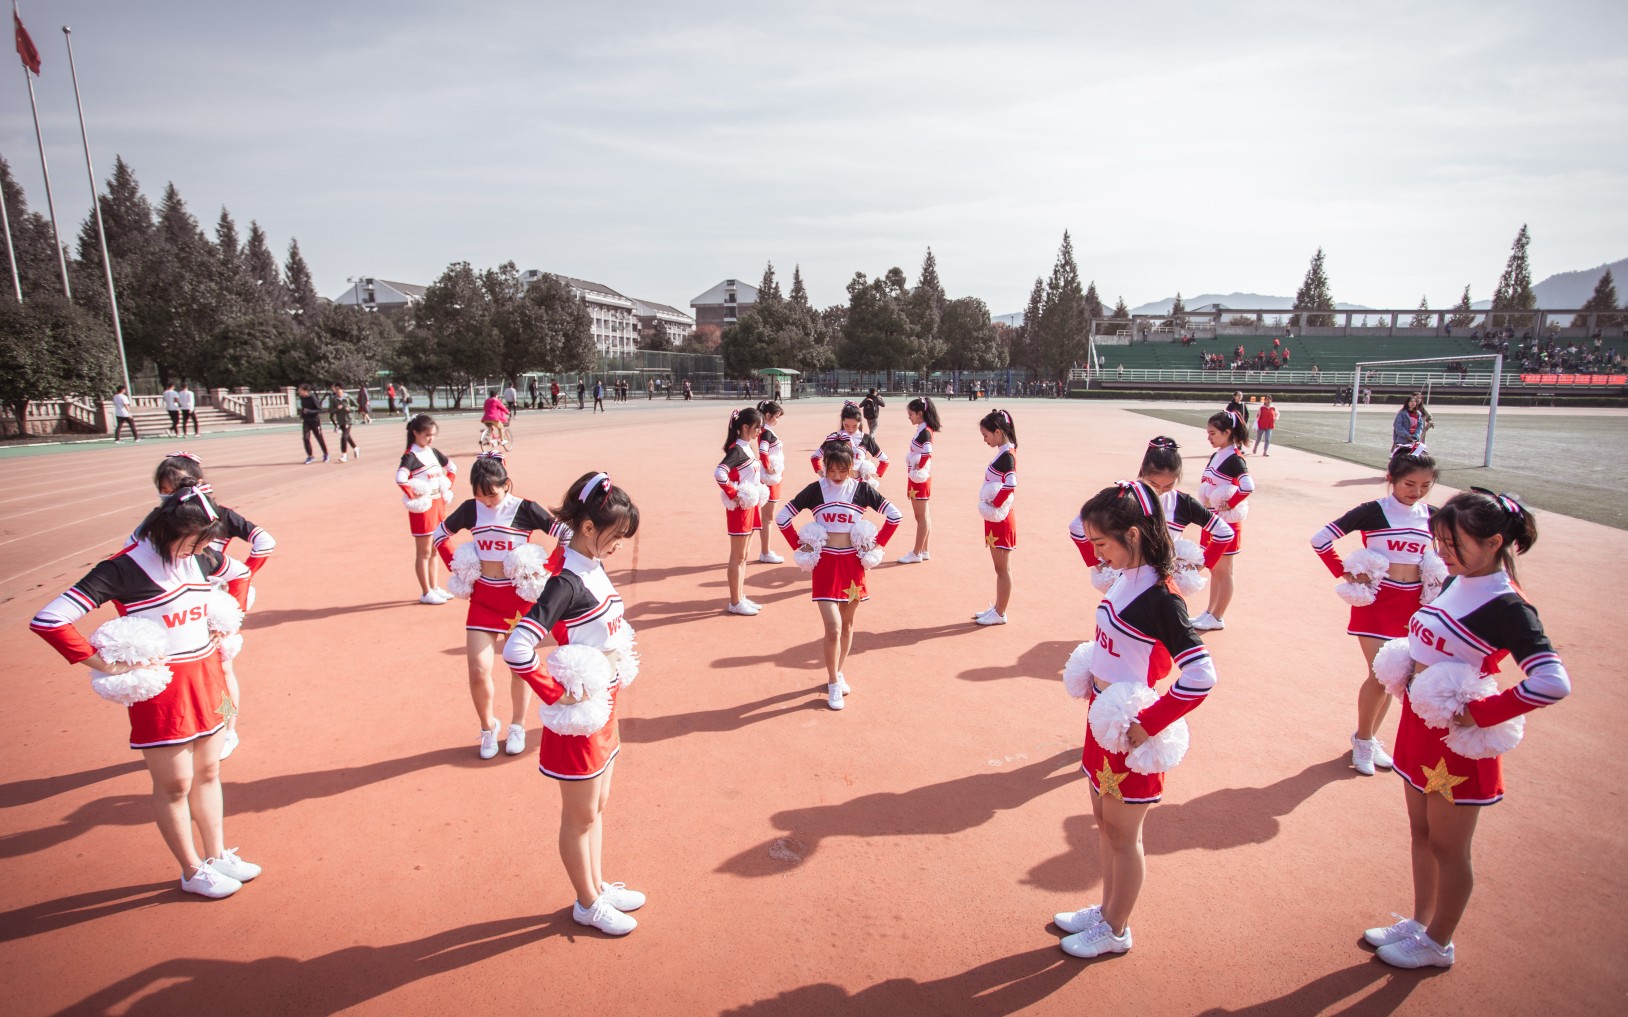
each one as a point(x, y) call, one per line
point(25, 45)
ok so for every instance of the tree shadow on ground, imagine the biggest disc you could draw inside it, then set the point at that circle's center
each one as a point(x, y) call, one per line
point(326, 984)
point(644, 730)
point(27, 792)
point(1000, 987)
point(1223, 819)
point(1042, 660)
point(947, 807)
point(267, 794)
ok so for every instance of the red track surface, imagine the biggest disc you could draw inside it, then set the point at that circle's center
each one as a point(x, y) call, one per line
point(901, 857)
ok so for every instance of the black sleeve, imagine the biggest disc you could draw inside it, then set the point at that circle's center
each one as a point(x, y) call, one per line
point(461, 518)
point(1188, 510)
point(869, 445)
point(1520, 632)
point(532, 516)
point(736, 456)
point(1006, 462)
point(1171, 626)
point(809, 498)
point(107, 581)
point(440, 457)
point(555, 603)
point(236, 525)
point(212, 562)
point(1234, 467)
point(409, 462)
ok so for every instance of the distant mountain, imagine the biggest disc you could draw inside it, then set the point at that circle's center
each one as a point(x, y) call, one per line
point(1567, 290)
point(1231, 300)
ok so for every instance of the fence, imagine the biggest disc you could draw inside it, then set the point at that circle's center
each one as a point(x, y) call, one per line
point(1418, 379)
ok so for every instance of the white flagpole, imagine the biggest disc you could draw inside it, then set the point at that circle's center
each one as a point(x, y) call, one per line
point(96, 206)
point(11, 254)
point(50, 203)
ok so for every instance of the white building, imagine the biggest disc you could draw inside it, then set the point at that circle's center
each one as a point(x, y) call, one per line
point(380, 295)
point(615, 327)
point(652, 317)
point(720, 306)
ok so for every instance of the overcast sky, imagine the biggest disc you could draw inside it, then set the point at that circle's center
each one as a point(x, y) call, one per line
point(661, 147)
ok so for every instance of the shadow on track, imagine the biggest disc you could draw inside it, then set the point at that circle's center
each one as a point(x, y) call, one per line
point(325, 984)
point(266, 618)
point(27, 792)
point(1228, 818)
point(36, 919)
point(1043, 660)
point(729, 718)
point(947, 807)
point(1319, 994)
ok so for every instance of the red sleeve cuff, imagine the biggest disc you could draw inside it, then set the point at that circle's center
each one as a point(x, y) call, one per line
point(1331, 558)
point(1165, 712)
point(69, 642)
point(255, 563)
point(1506, 705)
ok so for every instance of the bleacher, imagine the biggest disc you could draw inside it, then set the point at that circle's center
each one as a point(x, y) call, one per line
point(1329, 353)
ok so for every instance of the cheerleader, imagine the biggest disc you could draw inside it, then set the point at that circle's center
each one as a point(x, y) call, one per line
point(870, 463)
point(1224, 487)
point(1396, 528)
point(1161, 470)
point(1452, 759)
point(579, 607)
point(919, 462)
point(425, 477)
point(841, 548)
point(995, 505)
point(772, 459)
point(739, 477)
point(1142, 630)
point(161, 659)
point(185, 469)
point(499, 523)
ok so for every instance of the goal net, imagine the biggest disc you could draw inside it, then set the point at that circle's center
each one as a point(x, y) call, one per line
point(1458, 399)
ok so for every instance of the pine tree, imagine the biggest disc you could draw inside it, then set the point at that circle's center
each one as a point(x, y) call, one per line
point(929, 284)
point(1603, 299)
point(1121, 312)
point(1094, 310)
point(799, 293)
point(1463, 311)
point(1421, 317)
point(33, 242)
point(127, 219)
point(768, 289)
point(1514, 291)
point(1314, 295)
point(1063, 337)
point(1025, 337)
point(1178, 313)
point(300, 289)
point(261, 266)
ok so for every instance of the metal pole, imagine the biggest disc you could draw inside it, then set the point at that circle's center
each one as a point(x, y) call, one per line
point(96, 206)
point(1356, 384)
point(16, 281)
point(1492, 416)
point(50, 203)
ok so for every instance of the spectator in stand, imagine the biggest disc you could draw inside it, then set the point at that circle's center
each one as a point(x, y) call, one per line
point(1316, 373)
point(1268, 421)
point(189, 404)
point(121, 415)
point(311, 423)
point(172, 406)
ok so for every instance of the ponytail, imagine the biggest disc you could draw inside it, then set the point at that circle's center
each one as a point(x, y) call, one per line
point(593, 498)
point(770, 408)
point(929, 412)
point(186, 513)
point(1115, 510)
point(738, 419)
point(177, 469)
point(1482, 514)
point(1000, 420)
point(1163, 455)
point(1232, 425)
point(420, 423)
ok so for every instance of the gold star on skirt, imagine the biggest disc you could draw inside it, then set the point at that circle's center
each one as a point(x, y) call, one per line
point(227, 709)
point(512, 622)
point(989, 541)
point(854, 592)
point(1439, 779)
point(1108, 781)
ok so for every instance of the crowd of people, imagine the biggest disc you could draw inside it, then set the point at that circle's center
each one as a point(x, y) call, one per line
point(1273, 359)
point(1553, 355)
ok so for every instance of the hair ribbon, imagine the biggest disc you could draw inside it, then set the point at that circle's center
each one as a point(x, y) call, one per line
point(599, 480)
point(201, 492)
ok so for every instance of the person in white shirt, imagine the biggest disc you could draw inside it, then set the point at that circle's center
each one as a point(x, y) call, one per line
point(172, 406)
point(188, 402)
point(121, 415)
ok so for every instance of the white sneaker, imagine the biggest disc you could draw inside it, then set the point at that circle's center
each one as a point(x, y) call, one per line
point(228, 743)
point(488, 743)
point(1078, 921)
point(233, 867)
point(1385, 935)
point(1096, 941)
point(620, 897)
point(206, 882)
point(926, 556)
point(344, 458)
point(1362, 756)
point(309, 460)
point(749, 602)
point(516, 742)
point(441, 591)
point(1382, 759)
point(842, 683)
point(1208, 622)
point(744, 607)
point(833, 697)
point(356, 452)
point(1417, 951)
point(991, 617)
point(770, 558)
point(910, 558)
point(432, 597)
point(603, 916)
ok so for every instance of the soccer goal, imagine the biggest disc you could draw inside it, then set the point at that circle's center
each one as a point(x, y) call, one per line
point(1450, 442)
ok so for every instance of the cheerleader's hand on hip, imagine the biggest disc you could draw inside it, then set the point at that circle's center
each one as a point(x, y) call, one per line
point(96, 663)
point(1136, 735)
point(1463, 719)
point(1364, 580)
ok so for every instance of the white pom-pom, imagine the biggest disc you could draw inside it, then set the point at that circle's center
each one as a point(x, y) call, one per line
point(1433, 574)
point(1234, 514)
point(586, 674)
point(1112, 714)
point(986, 503)
point(422, 486)
point(225, 616)
point(1356, 594)
point(1162, 751)
point(777, 468)
point(759, 493)
point(865, 468)
point(1486, 742)
point(250, 598)
point(864, 534)
point(231, 646)
point(873, 557)
point(1189, 583)
point(461, 585)
point(627, 656)
point(1393, 666)
point(131, 640)
point(464, 571)
point(131, 687)
point(807, 558)
point(446, 490)
point(1366, 564)
point(1441, 690)
point(1114, 711)
point(1104, 578)
point(419, 504)
point(1077, 670)
point(1189, 576)
point(921, 475)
